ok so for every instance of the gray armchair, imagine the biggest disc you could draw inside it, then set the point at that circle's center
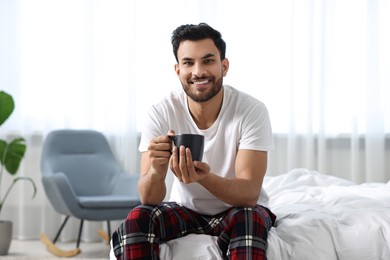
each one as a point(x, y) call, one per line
point(82, 178)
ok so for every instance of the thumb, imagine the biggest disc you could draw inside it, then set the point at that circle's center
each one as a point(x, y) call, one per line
point(171, 133)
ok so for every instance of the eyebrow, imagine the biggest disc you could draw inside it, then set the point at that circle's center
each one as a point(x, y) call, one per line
point(208, 55)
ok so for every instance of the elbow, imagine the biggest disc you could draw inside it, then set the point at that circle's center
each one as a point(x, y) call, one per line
point(249, 198)
point(252, 199)
point(148, 200)
point(251, 203)
point(246, 204)
point(151, 197)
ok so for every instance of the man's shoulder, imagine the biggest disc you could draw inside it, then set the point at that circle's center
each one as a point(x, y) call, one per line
point(174, 98)
point(240, 97)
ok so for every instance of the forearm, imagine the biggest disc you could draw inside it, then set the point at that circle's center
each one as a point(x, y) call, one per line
point(152, 189)
point(236, 192)
point(154, 166)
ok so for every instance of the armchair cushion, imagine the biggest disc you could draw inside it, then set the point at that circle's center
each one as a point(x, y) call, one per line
point(108, 202)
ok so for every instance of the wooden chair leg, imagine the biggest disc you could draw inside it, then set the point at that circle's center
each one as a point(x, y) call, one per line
point(57, 251)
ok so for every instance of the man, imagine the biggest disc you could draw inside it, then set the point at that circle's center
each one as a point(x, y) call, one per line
point(219, 195)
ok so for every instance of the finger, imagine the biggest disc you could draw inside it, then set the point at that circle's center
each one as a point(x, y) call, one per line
point(161, 139)
point(190, 166)
point(170, 135)
point(189, 156)
point(159, 161)
point(201, 167)
point(171, 132)
point(183, 164)
point(159, 154)
point(160, 144)
point(174, 164)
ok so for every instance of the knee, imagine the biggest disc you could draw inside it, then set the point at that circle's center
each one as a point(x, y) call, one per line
point(139, 219)
point(239, 212)
point(256, 214)
point(140, 212)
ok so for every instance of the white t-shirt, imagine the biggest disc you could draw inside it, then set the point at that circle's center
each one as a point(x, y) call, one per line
point(243, 123)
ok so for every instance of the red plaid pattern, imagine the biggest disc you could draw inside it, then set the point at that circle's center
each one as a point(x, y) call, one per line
point(242, 231)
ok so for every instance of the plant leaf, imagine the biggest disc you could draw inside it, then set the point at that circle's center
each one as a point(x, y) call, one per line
point(3, 149)
point(6, 106)
point(14, 153)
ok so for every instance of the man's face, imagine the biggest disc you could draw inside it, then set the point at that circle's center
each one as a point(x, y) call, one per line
point(200, 69)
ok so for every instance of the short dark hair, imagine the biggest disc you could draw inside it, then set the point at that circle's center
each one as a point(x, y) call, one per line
point(194, 32)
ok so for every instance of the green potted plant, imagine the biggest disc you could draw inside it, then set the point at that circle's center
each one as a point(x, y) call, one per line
point(11, 154)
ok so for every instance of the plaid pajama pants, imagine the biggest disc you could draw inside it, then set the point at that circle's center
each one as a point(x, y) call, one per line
point(242, 231)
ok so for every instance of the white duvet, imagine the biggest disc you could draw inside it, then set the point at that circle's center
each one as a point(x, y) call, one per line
point(319, 217)
point(323, 217)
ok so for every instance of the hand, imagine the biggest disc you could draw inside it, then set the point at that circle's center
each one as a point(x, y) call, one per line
point(184, 168)
point(159, 151)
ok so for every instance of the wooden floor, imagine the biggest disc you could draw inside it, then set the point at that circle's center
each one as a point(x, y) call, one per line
point(35, 248)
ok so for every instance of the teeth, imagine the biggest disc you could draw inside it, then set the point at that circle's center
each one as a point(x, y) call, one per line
point(200, 82)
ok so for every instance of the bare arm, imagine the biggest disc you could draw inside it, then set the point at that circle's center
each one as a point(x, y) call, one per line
point(244, 190)
point(154, 166)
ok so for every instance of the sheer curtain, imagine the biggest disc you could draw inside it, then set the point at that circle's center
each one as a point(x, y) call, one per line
point(335, 110)
point(321, 67)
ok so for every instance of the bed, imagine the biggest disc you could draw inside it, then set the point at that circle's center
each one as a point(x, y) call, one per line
point(319, 217)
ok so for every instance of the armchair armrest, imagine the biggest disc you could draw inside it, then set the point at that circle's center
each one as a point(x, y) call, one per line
point(60, 193)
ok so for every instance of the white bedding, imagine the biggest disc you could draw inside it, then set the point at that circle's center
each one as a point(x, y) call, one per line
point(323, 217)
point(318, 217)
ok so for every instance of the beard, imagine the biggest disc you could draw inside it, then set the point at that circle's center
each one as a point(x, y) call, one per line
point(203, 96)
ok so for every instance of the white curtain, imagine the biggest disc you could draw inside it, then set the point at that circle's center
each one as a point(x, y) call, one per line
point(321, 67)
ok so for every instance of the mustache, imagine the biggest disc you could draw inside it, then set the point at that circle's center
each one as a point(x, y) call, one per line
point(200, 78)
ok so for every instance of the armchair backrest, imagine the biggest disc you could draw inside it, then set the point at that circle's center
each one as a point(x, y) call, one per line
point(84, 156)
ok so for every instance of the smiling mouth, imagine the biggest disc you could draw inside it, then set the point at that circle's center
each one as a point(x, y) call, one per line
point(200, 82)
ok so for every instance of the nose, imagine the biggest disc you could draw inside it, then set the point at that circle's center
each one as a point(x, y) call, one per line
point(199, 70)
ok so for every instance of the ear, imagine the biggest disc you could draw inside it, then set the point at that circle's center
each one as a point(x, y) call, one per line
point(177, 69)
point(225, 66)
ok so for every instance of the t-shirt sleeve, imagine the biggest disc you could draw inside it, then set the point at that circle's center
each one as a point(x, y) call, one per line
point(256, 129)
point(154, 126)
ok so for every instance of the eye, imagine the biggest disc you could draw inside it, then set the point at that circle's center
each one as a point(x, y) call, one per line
point(208, 61)
point(187, 63)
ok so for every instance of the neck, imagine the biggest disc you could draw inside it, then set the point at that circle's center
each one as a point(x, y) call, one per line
point(204, 114)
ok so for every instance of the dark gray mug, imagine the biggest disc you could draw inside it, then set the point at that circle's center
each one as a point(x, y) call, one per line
point(193, 141)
